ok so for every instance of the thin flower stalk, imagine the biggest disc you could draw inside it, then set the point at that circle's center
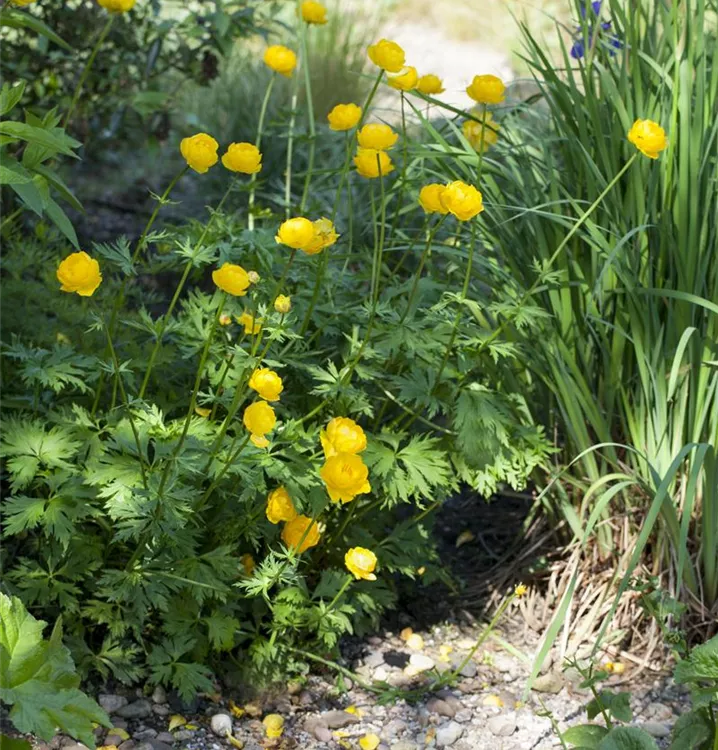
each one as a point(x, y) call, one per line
point(258, 144)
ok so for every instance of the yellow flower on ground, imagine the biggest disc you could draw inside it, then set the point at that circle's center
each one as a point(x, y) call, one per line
point(345, 476)
point(377, 135)
point(360, 563)
point(648, 137)
point(283, 304)
point(369, 742)
point(325, 235)
point(370, 163)
point(343, 435)
point(405, 80)
point(259, 418)
point(248, 563)
point(344, 116)
point(242, 157)
point(430, 84)
point(232, 279)
point(280, 59)
point(267, 384)
point(273, 725)
point(114, 6)
point(79, 273)
point(301, 533)
point(430, 198)
point(252, 325)
point(280, 506)
point(486, 89)
point(200, 152)
point(296, 233)
point(485, 128)
point(521, 589)
point(314, 12)
point(415, 642)
point(387, 55)
point(462, 200)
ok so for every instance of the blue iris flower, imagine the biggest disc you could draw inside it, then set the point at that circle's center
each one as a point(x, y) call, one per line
point(606, 39)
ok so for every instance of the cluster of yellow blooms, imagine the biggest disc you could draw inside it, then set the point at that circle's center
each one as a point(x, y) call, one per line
point(457, 198)
point(200, 153)
point(344, 473)
point(311, 237)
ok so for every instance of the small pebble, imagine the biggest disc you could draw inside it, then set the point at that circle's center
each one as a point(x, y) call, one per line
point(221, 724)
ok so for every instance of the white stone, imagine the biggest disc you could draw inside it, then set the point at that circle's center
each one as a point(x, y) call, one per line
point(448, 734)
point(221, 724)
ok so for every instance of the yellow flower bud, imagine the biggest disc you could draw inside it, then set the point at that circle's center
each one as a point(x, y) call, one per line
point(370, 163)
point(485, 131)
point(344, 116)
point(232, 279)
point(361, 563)
point(280, 506)
point(648, 137)
point(273, 725)
point(113, 6)
point(377, 135)
point(79, 273)
point(324, 236)
point(296, 233)
point(224, 319)
point(430, 198)
point(266, 383)
point(283, 304)
point(248, 563)
point(259, 418)
point(242, 157)
point(314, 12)
point(200, 411)
point(343, 435)
point(345, 476)
point(387, 55)
point(405, 80)
point(462, 200)
point(200, 152)
point(301, 533)
point(486, 89)
point(280, 59)
point(253, 277)
point(252, 325)
point(430, 84)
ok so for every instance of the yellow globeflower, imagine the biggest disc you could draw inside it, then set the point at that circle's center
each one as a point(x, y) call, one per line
point(232, 279)
point(344, 116)
point(252, 325)
point(114, 6)
point(430, 84)
point(370, 163)
point(79, 273)
point(296, 233)
point(462, 200)
point(200, 152)
point(325, 235)
point(259, 418)
point(280, 506)
point(345, 476)
point(343, 435)
point(473, 130)
point(648, 137)
point(301, 533)
point(521, 589)
point(486, 89)
point(248, 563)
point(387, 55)
point(377, 135)
point(242, 157)
point(361, 563)
point(280, 59)
point(430, 198)
point(267, 384)
point(405, 80)
point(283, 304)
point(313, 12)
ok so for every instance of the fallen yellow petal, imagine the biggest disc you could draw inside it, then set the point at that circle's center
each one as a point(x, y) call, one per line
point(444, 650)
point(202, 412)
point(191, 727)
point(107, 747)
point(492, 700)
point(234, 741)
point(354, 710)
point(236, 710)
point(369, 742)
point(339, 733)
point(406, 634)
point(430, 735)
point(415, 641)
point(119, 732)
point(177, 721)
point(464, 538)
point(273, 725)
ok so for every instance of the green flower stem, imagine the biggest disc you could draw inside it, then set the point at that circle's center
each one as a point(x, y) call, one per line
point(215, 482)
point(86, 70)
point(336, 667)
point(404, 162)
point(260, 127)
point(411, 246)
point(420, 267)
point(223, 376)
point(310, 111)
point(178, 291)
point(339, 593)
point(290, 150)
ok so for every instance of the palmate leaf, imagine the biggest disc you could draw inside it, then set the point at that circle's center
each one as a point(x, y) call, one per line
point(170, 665)
point(38, 679)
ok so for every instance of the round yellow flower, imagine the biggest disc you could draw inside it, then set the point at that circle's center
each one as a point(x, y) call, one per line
point(79, 273)
point(370, 163)
point(377, 135)
point(521, 589)
point(344, 116)
point(242, 157)
point(430, 84)
point(473, 129)
point(486, 89)
point(387, 55)
point(232, 279)
point(301, 533)
point(296, 233)
point(114, 6)
point(314, 12)
point(267, 384)
point(405, 80)
point(343, 435)
point(200, 152)
point(259, 418)
point(325, 235)
point(280, 59)
point(280, 506)
point(283, 304)
point(345, 476)
point(248, 563)
point(252, 325)
point(462, 200)
point(361, 563)
point(430, 198)
point(648, 137)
